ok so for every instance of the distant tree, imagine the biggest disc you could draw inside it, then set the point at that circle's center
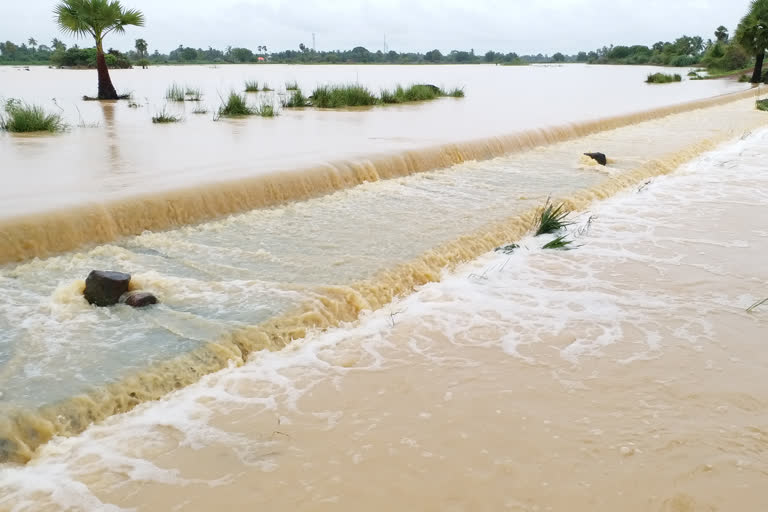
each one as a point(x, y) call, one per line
point(558, 57)
point(752, 35)
point(32, 43)
point(582, 57)
point(721, 34)
point(58, 45)
point(141, 48)
point(491, 56)
point(97, 18)
point(433, 56)
point(303, 48)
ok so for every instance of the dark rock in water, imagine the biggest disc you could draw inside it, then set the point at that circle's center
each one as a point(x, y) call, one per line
point(140, 299)
point(598, 157)
point(104, 288)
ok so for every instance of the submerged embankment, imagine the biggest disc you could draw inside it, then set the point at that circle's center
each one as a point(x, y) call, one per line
point(624, 374)
point(261, 279)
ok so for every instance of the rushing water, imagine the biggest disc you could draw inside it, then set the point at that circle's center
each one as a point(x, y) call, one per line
point(257, 233)
point(622, 375)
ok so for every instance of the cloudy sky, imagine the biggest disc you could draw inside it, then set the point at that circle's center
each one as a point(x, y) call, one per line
point(523, 26)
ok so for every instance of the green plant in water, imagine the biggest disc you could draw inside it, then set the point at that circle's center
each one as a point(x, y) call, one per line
point(411, 93)
point(507, 249)
point(20, 117)
point(175, 93)
point(292, 86)
point(193, 94)
point(337, 96)
point(552, 219)
point(251, 86)
point(164, 117)
point(455, 93)
point(236, 105)
point(200, 110)
point(266, 88)
point(296, 100)
point(558, 243)
point(762, 105)
point(663, 78)
point(757, 305)
point(266, 109)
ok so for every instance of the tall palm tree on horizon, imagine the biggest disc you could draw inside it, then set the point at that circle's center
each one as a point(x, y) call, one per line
point(97, 18)
point(752, 35)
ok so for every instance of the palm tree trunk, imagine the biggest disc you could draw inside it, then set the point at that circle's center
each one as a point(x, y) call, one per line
point(106, 89)
point(757, 75)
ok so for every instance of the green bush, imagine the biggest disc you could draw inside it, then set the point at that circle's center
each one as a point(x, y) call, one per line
point(337, 96)
point(296, 100)
point(663, 78)
point(21, 117)
point(236, 105)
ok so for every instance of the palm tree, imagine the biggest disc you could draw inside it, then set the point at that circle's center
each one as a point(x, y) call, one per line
point(721, 34)
point(97, 18)
point(141, 48)
point(752, 34)
point(32, 43)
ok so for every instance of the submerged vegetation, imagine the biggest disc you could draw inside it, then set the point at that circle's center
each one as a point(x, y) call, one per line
point(164, 117)
point(552, 219)
point(266, 109)
point(762, 105)
point(337, 96)
point(20, 117)
point(558, 243)
point(179, 93)
point(236, 105)
point(296, 100)
point(663, 78)
point(292, 86)
point(251, 86)
point(757, 305)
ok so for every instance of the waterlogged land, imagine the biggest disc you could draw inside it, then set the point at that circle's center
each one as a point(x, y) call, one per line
point(127, 155)
point(603, 378)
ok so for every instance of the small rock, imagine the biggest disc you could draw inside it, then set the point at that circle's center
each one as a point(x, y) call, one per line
point(104, 288)
point(598, 157)
point(140, 299)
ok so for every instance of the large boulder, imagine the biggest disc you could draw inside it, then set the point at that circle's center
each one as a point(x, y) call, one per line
point(598, 157)
point(104, 288)
point(139, 299)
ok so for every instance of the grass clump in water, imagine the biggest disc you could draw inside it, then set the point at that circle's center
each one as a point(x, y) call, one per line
point(23, 118)
point(175, 93)
point(552, 219)
point(266, 109)
point(558, 243)
point(455, 93)
point(266, 88)
point(200, 110)
point(337, 96)
point(193, 94)
point(292, 86)
point(236, 105)
point(507, 249)
point(296, 100)
point(412, 93)
point(663, 78)
point(762, 105)
point(251, 86)
point(164, 117)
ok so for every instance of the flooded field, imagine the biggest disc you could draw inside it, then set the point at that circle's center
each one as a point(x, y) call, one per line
point(621, 375)
point(290, 361)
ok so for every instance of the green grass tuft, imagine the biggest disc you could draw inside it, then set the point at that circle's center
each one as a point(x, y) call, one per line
point(200, 110)
point(296, 100)
point(175, 93)
point(558, 243)
point(455, 93)
point(338, 96)
point(762, 105)
point(251, 86)
point(236, 105)
point(266, 109)
point(21, 117)
point(292, 86)
point(193, 93)
point(164, 117)
point(552, 219)
point(266, 88)
point(663, 78)
point(507, 249)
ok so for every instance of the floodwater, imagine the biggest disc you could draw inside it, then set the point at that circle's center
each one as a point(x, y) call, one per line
point(277, 247)
point(126, 155)
point(624, 374)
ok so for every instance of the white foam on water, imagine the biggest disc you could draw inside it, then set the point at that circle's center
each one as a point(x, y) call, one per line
point(524, 305)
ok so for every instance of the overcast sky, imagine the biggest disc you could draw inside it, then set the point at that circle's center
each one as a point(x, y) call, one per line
point(523, 26)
